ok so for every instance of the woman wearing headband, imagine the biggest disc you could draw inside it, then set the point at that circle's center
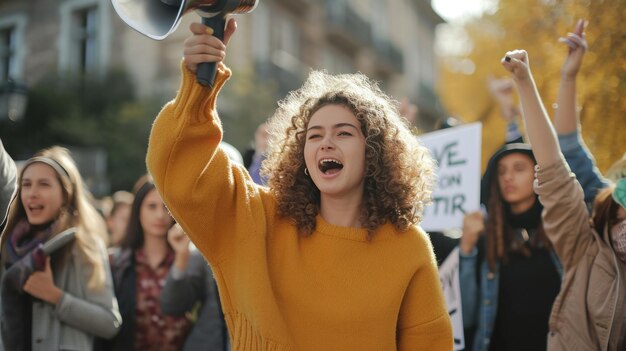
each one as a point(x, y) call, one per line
point(72, 299)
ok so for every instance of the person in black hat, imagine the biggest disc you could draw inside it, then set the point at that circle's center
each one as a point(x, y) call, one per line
point(519, 278)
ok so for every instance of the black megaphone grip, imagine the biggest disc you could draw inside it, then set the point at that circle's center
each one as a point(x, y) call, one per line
point(205, 74)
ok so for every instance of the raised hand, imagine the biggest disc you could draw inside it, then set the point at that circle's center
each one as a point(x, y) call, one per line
point(179, 241)
point(577, 47)
point(516, 62)
point(202, 46)
point(473, 225)
point(538, 126)
point(502, 91)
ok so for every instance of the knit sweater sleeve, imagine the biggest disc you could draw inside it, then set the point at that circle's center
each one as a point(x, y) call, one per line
point(424, 323)
point(214, 200)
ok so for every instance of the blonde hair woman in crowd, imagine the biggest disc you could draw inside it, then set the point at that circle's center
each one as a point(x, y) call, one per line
point(72, 298)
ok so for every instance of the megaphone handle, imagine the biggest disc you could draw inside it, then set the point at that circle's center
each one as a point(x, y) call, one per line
point(206, 71)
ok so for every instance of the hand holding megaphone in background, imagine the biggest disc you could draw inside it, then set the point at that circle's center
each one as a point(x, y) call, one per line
point(202, 46)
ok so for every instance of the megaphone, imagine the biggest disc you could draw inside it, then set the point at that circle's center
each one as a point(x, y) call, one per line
point(157, 19)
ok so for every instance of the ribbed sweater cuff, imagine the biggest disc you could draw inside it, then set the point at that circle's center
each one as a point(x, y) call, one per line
point(191, 90)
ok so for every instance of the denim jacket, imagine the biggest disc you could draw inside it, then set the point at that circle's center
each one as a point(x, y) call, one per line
point(480, 299)
point(583, 165)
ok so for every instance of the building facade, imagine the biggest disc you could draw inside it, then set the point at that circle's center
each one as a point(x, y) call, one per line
point(281, 40)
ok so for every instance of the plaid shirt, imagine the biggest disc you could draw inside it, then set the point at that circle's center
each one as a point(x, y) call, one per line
point(155, 331)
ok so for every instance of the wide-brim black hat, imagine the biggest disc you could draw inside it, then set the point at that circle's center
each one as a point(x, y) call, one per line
point(492, 166)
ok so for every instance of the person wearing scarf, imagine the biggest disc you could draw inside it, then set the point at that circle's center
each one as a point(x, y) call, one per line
point(66, 299)
point(508, 295)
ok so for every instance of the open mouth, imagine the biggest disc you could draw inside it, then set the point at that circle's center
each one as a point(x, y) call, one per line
point(330, 166)
point(35, 209)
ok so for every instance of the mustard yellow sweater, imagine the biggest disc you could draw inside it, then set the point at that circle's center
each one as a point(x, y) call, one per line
point(333, 290)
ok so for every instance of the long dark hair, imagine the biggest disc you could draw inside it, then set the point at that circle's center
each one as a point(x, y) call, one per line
point(604, 213)
point(134, 232)
point(500, 235)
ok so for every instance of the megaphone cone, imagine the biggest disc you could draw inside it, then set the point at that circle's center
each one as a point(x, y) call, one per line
point(157, 19)
point(153, 18)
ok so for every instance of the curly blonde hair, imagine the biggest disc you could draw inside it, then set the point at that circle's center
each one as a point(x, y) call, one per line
point(399, 170)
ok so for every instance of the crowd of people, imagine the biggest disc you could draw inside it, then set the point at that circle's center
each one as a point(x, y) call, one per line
point(311, 241)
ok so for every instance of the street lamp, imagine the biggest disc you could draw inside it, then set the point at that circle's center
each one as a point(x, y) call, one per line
point(13, 99)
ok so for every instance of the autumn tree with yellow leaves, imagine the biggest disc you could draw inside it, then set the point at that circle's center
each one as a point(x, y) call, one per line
point(536, 25)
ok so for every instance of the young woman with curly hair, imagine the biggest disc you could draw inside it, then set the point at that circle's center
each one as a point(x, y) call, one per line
point(329, 256)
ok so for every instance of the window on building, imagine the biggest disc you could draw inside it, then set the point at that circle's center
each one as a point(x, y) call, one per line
point(85, 37)
point(84, 33)
point(260, 32)
point(285, 38)
point(379, 21)
point(8, 49)
point(277, 38)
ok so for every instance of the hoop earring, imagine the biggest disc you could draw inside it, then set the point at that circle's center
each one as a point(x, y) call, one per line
point(306, 171)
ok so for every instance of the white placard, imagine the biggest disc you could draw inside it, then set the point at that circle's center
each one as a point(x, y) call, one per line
point(449, 276)
point(457, 152)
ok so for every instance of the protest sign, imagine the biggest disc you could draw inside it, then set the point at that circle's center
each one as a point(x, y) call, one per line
point(449, 276)
point(457, 152)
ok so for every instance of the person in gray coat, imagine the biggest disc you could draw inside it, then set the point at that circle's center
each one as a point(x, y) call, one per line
point(8, 182)
point(71, 299)
point(190, 285)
